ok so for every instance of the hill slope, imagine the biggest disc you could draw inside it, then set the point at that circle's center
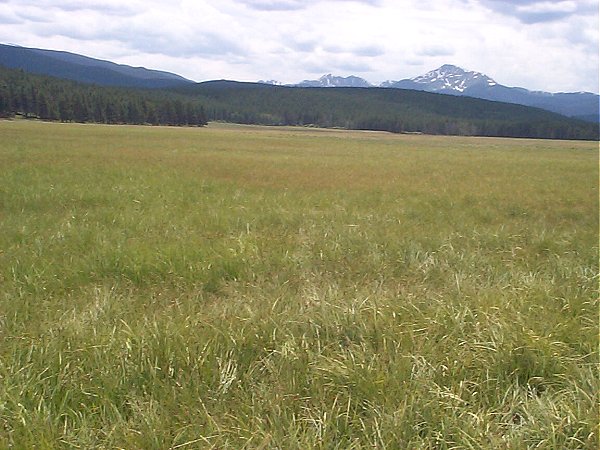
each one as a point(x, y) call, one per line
point(395, 110)
point(447, 79)
point(84, 69)
point(48, 98)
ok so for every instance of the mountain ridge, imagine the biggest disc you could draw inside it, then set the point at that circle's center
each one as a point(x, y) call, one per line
point(447, 79)
point(75, 67)
point(330, 80)
point(453, 80)
point(394, 110)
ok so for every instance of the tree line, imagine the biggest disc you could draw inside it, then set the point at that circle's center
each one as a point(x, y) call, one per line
point(47, 98)
point(393, 110)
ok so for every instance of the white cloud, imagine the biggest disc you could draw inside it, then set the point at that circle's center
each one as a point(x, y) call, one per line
point(547, 45)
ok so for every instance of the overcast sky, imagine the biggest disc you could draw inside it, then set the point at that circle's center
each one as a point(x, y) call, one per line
point(547, 45)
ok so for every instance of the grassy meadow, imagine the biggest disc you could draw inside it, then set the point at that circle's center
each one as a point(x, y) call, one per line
point(240, 287)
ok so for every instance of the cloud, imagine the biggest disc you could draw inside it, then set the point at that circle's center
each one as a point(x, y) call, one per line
point(436, 50)
point(303, 46)
point(369, 51)
point(10, 18)
point(275, 5)
point(109, 7)
point(340, 65)
point(291, 5)
point(290, 40)
point(539, 11)
point(211, 45)
point(414, 62)
point(173, 32)
point(353, 67)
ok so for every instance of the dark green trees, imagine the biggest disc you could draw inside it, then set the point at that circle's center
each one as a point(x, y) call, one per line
point(53, 99)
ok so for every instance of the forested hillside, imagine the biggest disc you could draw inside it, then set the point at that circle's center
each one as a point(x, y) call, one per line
point(394, 110)
point(55, 99)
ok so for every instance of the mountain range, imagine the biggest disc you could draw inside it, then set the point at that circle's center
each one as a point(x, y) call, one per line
point(447, 79)
point(330, 80)
point(394, 110)
point(453, 80)
point(33, 96)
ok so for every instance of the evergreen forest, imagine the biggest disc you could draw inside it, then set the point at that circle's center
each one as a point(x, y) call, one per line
point(48, 98)
point(380, 109)
point(394, 110)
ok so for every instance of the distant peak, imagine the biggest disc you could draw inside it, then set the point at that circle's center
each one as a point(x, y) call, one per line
point(453, 78)
point(451, 67)
point(330, 80)
point(270, 82)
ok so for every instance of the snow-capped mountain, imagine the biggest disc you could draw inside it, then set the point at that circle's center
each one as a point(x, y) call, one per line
point(448, 78)
point(330, 80)
point(453, 80)
point(270, 82)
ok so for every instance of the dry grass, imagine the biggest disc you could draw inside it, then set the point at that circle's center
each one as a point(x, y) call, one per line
point(246, 287)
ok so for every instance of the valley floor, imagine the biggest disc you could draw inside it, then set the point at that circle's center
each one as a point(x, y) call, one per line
point(252, 287)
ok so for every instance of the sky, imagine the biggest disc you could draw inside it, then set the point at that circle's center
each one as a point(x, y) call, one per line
point(549, 45)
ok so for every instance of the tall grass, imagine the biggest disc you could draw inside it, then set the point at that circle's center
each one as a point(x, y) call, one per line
point(244, 287)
